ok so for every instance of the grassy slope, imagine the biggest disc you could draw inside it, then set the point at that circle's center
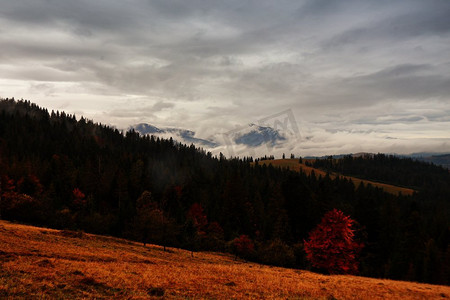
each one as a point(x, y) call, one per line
point(45, 263)
point(293, 164)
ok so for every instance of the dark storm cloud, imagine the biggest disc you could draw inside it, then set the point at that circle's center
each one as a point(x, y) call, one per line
point(85, 14)
point(400, 82)
point(428, 19)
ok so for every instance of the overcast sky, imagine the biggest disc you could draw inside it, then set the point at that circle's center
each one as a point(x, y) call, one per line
point(357, 75)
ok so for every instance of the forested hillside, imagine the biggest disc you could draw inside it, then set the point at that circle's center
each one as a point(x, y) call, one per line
point(62, 172)
point(392, 169)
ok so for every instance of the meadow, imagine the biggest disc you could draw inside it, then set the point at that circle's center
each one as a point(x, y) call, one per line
point(295, 165)
point(45, 263)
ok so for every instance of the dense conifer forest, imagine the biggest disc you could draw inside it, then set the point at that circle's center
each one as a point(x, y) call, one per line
point(63, 172)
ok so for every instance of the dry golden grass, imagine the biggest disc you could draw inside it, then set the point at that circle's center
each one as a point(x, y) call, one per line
point(294, 165)
point(45, 263)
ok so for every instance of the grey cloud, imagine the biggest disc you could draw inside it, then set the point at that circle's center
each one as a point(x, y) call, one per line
point(391, 119)
point(441, 116)
point(402, 81)
point(401, 70)
point(227, 60)
point(47, 89)
point(412, 119)
point(337, 64)
point(160, 105)
point(132, 113)
point(423, 18)
point(99, 14)
point(319, 7)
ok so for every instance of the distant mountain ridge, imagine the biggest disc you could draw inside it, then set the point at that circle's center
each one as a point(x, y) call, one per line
point(252, 135)
point(440, 159)
point(181, 135)
point(437, 159)
point(257, 135)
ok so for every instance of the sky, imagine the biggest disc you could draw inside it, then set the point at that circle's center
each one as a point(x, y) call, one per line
point(354, 76)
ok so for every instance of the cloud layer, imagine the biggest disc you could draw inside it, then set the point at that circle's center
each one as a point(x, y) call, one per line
point(357, 75)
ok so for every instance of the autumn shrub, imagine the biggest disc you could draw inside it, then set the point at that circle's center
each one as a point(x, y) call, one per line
point(243, 246)
point(276, 253)
point(214, 238)
point(20, 207)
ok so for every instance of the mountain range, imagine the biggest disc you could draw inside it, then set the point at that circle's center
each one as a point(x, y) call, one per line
point(252, 135)
point(181, 135)
point(435, 158)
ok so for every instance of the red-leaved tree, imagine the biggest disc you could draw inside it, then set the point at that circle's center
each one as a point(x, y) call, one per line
point(243, 246)
point(331, 244)
point(78, 197)
point(197, 215)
